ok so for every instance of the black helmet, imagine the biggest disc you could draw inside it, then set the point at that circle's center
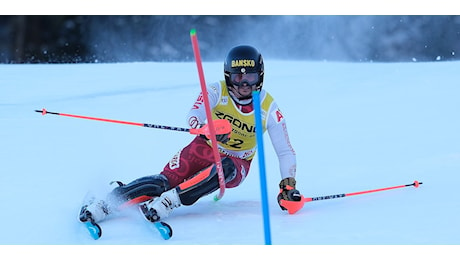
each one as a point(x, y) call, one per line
point(242, 62)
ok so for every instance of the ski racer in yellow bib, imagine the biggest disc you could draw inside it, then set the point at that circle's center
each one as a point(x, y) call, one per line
point(191, 173)
point(242, 142)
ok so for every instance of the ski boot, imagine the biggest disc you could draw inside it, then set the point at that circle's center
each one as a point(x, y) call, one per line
point(159, 208)
point(93, 213)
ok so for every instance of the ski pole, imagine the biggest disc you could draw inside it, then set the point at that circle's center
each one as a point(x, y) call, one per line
point(220, 125)
point(294, 206)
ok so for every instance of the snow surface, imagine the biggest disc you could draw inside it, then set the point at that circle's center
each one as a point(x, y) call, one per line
point(354, 126)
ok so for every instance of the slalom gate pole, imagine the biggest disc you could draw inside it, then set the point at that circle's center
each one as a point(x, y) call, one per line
point(294, 206)
point(217, 159)
point(220, 126)
point(261, 156)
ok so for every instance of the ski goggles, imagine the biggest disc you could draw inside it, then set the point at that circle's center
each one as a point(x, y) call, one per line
point(248, 78)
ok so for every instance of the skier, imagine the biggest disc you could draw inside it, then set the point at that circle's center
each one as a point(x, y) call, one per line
point(191, 173)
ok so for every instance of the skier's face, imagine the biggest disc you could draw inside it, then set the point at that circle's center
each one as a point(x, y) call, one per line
point(244, 84)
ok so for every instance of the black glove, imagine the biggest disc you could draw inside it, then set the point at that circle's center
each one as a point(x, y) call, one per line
point(288, 191)
point(223, 138)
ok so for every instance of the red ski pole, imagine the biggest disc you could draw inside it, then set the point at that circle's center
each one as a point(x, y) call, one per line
point(220, 125)
point(294, 206)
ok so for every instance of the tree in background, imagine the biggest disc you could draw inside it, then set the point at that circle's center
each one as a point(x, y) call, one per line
point(128, 38)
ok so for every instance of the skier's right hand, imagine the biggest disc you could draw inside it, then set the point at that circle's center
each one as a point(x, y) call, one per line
point(223, 138)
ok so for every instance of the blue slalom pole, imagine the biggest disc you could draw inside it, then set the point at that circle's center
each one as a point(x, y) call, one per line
point(261, 156)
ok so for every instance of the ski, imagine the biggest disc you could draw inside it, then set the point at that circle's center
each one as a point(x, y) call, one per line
point(95, 230)
point(163, 228)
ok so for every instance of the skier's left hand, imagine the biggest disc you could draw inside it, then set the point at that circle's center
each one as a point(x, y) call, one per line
point(288, 192)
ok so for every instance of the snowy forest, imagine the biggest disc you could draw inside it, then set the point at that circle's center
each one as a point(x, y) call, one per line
point(128, 38)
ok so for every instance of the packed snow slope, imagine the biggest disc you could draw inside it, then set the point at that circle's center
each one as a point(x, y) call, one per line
point(354, 126)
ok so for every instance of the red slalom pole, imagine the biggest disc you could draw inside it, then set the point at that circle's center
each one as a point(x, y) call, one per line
point(294, 206)
point(220, 125)
point(220, 171)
